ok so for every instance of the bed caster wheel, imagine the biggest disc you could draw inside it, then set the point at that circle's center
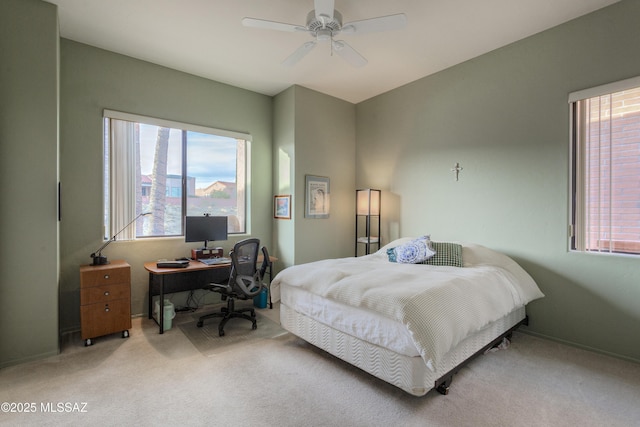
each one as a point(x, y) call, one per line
point(88, 342)
point(254, 326)
point(221, 333)
point(199, 324)
point(125, 334)
point(442, 389)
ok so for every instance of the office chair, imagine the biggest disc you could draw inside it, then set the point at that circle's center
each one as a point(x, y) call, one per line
point(266, 265)
point(244, 283)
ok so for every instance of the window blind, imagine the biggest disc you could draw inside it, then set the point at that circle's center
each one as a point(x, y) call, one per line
point(606, 135)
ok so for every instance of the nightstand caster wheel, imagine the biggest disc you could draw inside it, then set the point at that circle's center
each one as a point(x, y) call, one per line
point(199, 324)
point(221, 333)
point(88, 342)
point(254, 326)
point(125, 334)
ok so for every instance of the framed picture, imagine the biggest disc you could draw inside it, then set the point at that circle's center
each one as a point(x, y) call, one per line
point(282, 207)
point(317, 197)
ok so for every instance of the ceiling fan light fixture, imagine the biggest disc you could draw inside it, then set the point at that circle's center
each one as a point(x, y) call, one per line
point(323, 24)
point(323, 35)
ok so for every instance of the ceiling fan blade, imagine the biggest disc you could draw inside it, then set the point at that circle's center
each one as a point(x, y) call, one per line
point(324, 9)
point(299, 54)
point(271, 25)
point(383, 23)
point(349, 53)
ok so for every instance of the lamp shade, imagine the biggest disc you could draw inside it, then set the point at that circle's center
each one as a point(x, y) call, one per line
point(368, 202)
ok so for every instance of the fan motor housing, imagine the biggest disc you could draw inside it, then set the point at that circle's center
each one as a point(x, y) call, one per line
point(315, 25)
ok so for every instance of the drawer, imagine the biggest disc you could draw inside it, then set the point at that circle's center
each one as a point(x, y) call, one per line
point(105, 318)
point(104, 293)
point(99, 276)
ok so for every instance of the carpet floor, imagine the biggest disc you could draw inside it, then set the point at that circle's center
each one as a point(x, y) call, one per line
point(279, 380)
point(238, 332)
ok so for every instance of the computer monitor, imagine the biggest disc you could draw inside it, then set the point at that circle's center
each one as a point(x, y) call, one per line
point(205, 229)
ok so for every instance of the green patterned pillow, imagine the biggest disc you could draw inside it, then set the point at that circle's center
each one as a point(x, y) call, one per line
point(448, 254)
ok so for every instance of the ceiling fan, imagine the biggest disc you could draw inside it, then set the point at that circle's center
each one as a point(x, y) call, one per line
point(323, 24)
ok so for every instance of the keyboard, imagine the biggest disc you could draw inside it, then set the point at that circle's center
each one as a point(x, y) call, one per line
point(214, 261)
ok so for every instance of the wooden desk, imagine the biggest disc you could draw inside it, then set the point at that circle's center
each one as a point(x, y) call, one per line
point(169, 280)
point(196, 276)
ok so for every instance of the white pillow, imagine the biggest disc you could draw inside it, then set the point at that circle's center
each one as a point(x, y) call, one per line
point(412, 252)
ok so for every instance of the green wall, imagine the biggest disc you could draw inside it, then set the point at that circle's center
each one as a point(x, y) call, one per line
point(504, 117)
point(92, 80)
point(314, 134)
point(325, 146)
point(284, 149)
point(29, 174)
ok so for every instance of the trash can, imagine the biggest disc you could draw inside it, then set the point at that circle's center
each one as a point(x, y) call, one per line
point(260, 300)
point(169, 314)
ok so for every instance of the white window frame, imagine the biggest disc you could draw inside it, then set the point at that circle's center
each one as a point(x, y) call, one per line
point(118, 174)
point(578, 168)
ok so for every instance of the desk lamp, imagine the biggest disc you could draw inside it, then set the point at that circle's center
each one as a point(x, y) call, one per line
point(98, 258)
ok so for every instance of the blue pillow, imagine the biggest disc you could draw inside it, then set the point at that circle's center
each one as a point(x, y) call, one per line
point(413, 252)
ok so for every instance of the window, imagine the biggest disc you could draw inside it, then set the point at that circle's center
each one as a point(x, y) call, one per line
point(171, 170)
point(605, 134)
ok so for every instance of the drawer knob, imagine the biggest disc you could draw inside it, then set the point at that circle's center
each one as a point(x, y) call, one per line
point(106, 293)
point(106, 276)
point(106, 308)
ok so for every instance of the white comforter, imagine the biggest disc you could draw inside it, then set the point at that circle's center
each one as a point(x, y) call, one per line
point(439, 306)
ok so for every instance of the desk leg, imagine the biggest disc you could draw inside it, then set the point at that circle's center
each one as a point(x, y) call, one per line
point(150, 296)
point(161, 304)
point(269, 288)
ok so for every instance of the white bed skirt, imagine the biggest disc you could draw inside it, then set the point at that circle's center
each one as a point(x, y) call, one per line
point(411, 374)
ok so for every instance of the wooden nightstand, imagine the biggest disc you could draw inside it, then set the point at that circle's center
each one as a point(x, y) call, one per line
point(105, 300)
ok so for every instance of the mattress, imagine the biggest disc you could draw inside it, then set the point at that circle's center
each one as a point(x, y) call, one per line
point(377, 329)
point(409, 373)
point(438, 305)
point(408, 324)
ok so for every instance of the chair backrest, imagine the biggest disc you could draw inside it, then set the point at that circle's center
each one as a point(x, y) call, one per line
point(266, 263)
point(245, 277)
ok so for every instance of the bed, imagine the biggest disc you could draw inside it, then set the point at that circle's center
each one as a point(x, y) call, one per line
point(412, 325)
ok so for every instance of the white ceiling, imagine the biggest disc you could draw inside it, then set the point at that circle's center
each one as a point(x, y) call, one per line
point(206, 38)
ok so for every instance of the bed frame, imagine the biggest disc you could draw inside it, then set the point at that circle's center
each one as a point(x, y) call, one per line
point(411, 374)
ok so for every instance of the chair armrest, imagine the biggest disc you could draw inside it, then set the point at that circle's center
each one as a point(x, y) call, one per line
point(217, 287)
point(249, 285)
